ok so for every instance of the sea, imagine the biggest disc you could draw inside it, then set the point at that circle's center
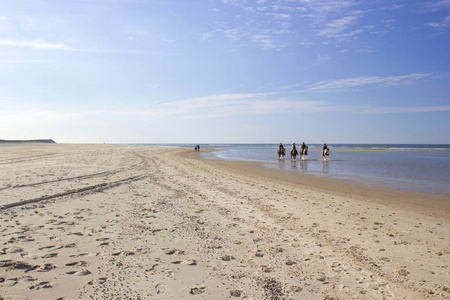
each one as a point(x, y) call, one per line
point(417, 168)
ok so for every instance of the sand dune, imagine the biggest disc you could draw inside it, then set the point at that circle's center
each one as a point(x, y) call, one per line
point(137, 222)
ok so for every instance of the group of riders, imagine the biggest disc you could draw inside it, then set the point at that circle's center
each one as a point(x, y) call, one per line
point(303, 151)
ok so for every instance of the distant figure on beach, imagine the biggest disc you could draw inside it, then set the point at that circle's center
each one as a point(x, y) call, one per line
point(294, 152)
point(198, 148)
point(281, 151)
point(304, 150)
point(325, 151)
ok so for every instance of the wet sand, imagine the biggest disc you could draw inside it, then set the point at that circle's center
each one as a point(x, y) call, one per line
point(135, 222)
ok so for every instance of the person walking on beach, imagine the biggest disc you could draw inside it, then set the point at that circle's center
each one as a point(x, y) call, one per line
point(195, 148)
point(198, 148)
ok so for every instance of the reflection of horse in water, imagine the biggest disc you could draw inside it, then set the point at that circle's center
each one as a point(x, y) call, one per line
point(281, 152)
point(325, 153)
point(294, 154)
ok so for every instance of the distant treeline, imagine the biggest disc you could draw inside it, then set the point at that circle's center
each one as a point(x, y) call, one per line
point(50, 141)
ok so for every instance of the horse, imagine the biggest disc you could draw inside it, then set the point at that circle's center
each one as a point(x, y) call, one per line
point(281, 152)
point(304, 151)
point(325, 153)
point(294, 154)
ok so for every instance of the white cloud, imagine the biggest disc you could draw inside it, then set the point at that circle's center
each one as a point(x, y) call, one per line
point(437, 5)
point(37, 44)
point(348, 83)
point(322, 59)
point(336, 28)
point(417, 109)
point(444, 24)
point(281, 16)
point(27, 61)
point(229, 105)
point(28, 118)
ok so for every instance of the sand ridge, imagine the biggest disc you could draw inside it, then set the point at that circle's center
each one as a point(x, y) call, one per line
point(137, 222)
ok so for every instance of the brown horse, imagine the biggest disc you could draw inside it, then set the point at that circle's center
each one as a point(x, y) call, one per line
point(325, 153)
point(281, 152)
point(294, 154)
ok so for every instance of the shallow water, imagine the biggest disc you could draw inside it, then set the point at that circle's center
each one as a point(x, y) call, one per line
point(420, 168)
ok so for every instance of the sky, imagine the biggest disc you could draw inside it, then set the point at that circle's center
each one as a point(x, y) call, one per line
point(225, 71)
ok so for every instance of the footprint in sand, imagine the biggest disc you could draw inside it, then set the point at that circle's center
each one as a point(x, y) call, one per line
point(161, 288)
point(50, 255)
point(43, 285)
point(11, 250)
point(238, 276)
point(46, 268)
point(102, 280)
point(76, 233)
point(79, 273)
point(47, 247)
point(102, 239)
point(290, 262)
point(197, 290)
point(189, 262)
point(226, 257)
point(171, 251)
point(259, 253)
point(80, 263)
point(236, 293)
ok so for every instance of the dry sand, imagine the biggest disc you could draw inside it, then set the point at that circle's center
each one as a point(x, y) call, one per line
point(136, 222)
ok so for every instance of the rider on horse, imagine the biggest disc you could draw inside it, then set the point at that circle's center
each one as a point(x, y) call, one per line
point(294, 151)
point(325, 150)
point(281, 151)
point(304, 149)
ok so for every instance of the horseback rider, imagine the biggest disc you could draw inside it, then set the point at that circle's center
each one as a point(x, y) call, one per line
point(304, 148)
point(325, 150)
point(281, 147)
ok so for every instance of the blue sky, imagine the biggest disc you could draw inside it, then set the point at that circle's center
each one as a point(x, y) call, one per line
point(234, 71)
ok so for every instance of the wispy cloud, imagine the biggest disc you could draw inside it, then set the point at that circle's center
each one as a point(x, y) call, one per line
point(442, 25)
point(227, 105)
point(338, 27)
point(417, 109)
point(349, 83)
point(38, 44)
point(230, 105)
point(214, 106)
point(265, 23)
point(43, 45)
point(320, 59)
point(437, 5)
point(36, 117)
point(27, 61)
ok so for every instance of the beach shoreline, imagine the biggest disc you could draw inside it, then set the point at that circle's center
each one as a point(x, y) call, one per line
point(139, 222)
point(425, 202)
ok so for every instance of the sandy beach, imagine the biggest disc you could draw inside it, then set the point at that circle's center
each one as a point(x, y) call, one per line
point(138, 222)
